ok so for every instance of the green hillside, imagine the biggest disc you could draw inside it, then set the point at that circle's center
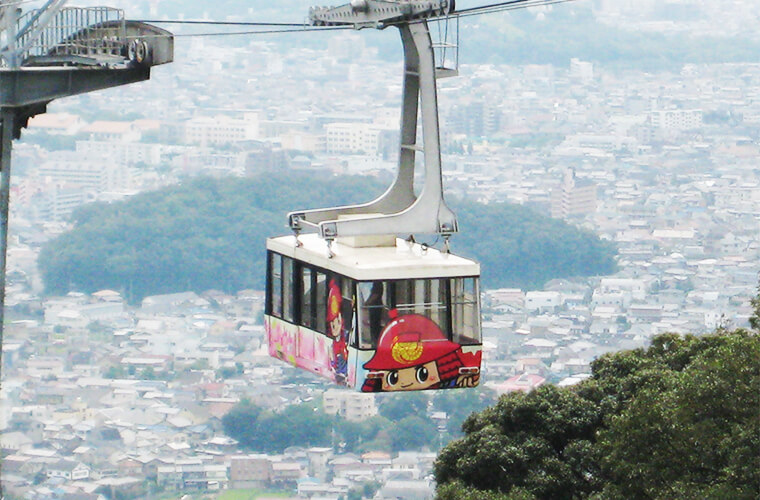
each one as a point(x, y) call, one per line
point(209, 234)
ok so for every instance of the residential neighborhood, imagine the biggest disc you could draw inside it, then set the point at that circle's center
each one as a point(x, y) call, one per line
point(100, 396)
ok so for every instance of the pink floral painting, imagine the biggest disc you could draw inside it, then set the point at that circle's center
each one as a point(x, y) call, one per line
point(282, 340)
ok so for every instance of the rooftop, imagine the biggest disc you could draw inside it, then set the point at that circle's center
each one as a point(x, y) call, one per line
point(404, 260)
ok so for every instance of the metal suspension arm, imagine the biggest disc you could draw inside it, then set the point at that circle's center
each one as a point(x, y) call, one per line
point(398, 211)
point(379, 13)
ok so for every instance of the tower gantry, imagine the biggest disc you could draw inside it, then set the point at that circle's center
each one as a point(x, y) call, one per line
point(398, 211)
point(57, 51)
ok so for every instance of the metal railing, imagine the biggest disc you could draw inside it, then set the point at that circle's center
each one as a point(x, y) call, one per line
point(72, 31)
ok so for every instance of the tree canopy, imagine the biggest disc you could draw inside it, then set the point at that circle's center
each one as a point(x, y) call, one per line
point(403, 422)
point(307, 425)
point(209, 234)
point(677, 420)
point(272, 432)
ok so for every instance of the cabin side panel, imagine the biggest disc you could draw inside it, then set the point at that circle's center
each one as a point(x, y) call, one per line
point(300, 347)
point(310, 318)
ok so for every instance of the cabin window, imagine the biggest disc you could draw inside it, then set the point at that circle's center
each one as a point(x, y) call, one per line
point(275, 273)
point(288, 290)
point(451, 303)
point(298, 293)
point(374, 304)
point(426, 297)
point(465, 317)
point(308, 292)
point(436, 298)
point(320, 284)
point(347, 308)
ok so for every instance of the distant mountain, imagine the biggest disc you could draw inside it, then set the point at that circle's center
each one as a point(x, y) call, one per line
point(542, 35)
point(209, 234)
point(573, 31)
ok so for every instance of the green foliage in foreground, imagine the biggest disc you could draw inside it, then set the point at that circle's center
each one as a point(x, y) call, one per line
point(678, 420)
point(210, 233)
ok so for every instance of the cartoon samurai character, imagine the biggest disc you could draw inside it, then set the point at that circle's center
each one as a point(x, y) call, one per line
point(414, 354)
point(337, 332)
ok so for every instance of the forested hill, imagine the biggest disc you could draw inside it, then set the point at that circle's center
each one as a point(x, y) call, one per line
point(209, 234)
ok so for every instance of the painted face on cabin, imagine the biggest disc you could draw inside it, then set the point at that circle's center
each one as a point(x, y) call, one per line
point(335, 326)
point(414, 378)
point(413, 354)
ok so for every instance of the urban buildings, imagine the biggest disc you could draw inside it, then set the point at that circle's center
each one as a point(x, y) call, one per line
point(664, 164)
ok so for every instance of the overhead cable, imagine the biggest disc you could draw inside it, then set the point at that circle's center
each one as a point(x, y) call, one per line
point(303, 27)
point(490, 6)
point(266, 32)
point(506, 6)
point(218, 23)
point(251, 32)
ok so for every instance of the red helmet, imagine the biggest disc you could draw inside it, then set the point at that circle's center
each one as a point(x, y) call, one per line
point(409, 340)
point(333, 301)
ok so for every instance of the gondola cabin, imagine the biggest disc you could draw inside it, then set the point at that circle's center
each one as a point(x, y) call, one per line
point(394, 316)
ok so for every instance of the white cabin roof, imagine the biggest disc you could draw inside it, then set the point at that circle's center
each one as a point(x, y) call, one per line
point(402, 261)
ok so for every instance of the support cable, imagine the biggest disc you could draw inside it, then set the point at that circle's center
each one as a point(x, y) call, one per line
point(250, 32)
point(219, 23)
point(507, 6)
point(473, 11)
point(508, 3)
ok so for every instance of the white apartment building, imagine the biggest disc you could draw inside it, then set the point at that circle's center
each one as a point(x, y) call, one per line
point(59, 186)
point(58, 203)
point(582, 70)
point(573, 197)
point(617, 299)
point(637, 288)
point(542, 301)
point(68, 469)
point(220, 130)
point(676, 119)
point(99, 173)
point(353, 406)
point(193, 476)
point(352, 138)
point(123, 153)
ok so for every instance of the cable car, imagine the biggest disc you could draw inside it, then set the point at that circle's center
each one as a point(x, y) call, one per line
point(396, 316)
point(357, 300)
